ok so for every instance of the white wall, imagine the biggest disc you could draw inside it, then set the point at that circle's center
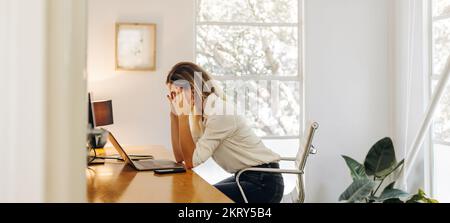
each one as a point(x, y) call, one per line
point(140, 107)
point(348, 87)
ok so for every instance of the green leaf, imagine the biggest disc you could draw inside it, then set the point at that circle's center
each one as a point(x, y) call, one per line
point(381, 161)
point(390, 179)
point(392, 194)
point(431, 201)
point(358, 191)
point(414, 199)
point(390, 186)
point(357, 170)
point(397, 167)
point(421, 193)
point(421, 197)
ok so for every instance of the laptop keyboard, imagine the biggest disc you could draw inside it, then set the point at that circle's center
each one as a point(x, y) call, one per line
point(157, 164)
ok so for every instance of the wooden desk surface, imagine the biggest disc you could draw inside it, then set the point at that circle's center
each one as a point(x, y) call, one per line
point(115, 182)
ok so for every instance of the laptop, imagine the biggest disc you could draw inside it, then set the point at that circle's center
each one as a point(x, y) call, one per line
point(144, 165)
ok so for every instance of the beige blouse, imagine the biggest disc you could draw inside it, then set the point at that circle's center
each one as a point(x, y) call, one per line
point(229, 140)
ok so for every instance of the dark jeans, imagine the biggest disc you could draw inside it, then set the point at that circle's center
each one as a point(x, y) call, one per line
point(258, 187)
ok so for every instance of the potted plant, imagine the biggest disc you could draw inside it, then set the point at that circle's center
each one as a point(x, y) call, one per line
point(374, 181)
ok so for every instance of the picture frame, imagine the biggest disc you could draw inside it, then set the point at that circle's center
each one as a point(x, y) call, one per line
point(135, 45)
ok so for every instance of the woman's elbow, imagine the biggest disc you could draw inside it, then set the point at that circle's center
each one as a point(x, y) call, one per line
point(189, 165)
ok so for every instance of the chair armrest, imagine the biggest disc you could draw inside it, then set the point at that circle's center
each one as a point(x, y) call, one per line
point(269, 170)
point(293, 159)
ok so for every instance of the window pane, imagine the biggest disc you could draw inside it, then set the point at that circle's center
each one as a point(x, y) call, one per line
point(441, 174)
point(441, 45)
point(274, 11)
point(441, 7)
point(272, 108)
point(241, 51)
point(434, 84)
point(441, 125)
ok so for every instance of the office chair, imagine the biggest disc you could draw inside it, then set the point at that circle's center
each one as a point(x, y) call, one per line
point(306, 149)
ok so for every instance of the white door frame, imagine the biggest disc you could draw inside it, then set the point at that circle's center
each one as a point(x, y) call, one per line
point(67, 101)
point(43, 100)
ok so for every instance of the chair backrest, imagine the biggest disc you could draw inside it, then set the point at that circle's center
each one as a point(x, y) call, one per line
point(306, 148)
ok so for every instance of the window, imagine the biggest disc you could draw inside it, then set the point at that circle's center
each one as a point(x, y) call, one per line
point(253, 48)
point(440, 47)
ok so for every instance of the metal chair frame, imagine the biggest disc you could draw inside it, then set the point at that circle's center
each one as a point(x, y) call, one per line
point(308, 150)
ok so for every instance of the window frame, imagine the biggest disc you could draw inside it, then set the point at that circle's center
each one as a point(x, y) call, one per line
point(299, 78)
point(430, 77)
point(429, 21)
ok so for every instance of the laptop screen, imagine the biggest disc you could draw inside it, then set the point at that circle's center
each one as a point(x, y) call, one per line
point(119, 149)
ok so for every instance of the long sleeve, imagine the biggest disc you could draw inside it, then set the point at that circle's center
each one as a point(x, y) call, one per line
point(217, 129)
point(229, 140)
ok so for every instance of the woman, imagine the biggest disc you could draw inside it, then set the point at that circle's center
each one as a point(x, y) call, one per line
point(204, 126)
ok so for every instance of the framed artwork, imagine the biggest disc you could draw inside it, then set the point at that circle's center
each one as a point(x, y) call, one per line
point(135, 47)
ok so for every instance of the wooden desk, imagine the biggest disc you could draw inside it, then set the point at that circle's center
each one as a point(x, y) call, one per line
point(115, 182)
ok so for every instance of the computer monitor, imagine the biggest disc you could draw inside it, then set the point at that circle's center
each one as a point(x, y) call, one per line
point(91, 123)
point(91, 114)
point(97, 137)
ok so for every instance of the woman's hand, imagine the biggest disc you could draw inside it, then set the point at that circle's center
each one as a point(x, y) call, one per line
point(181, 106)
point(180, 100)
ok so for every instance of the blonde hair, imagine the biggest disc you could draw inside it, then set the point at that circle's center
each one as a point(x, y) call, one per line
point(187, 71)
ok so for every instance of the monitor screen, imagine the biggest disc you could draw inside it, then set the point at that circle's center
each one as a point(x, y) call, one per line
point(91, 112)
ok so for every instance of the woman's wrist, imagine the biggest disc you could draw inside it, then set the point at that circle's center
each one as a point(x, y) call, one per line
point(174, 114)
point(183, 117)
